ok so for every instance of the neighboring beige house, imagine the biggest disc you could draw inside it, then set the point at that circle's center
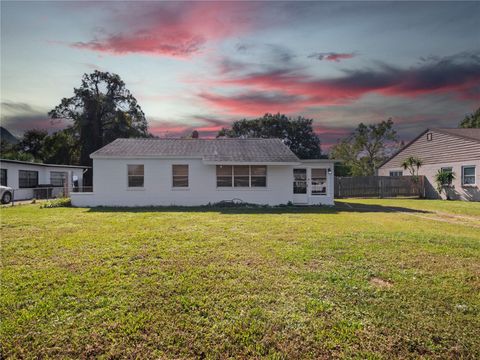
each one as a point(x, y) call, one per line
point(456, 150)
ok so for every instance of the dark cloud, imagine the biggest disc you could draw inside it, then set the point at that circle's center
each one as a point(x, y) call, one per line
point(331, 56)
point(19, 117)
point(458, 75)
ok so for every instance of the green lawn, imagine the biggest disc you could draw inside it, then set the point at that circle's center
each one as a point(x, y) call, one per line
point(367, 279)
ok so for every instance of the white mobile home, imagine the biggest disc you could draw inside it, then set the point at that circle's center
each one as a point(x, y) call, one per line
point(24, 177)
point(191, 172)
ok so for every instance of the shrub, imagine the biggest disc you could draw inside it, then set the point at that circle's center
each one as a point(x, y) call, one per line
point(444, 179)
point(61, 202)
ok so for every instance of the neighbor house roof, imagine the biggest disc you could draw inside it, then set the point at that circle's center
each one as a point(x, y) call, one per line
point(209, 150)
point(42, 164)
point(471, 134)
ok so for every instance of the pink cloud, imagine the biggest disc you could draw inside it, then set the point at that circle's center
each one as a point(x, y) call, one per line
point(458, 75)
point(206, 126)
point(171, 29)
point(256, 104)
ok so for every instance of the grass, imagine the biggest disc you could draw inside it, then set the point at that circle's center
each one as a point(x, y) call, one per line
point(367, 279)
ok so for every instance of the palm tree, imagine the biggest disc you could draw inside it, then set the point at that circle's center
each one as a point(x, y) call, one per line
point(412, 164)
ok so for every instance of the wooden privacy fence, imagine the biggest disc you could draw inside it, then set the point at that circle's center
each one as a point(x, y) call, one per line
point(379, 186)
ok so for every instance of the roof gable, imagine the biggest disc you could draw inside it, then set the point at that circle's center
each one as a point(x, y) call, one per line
point(211, 150)
point(445, 145)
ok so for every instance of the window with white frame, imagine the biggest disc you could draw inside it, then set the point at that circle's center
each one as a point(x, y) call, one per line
point(241, 176)
point(319, 181)
point(180, 176)
point(396, 173)
point(58, 178)
point(258, 176)
point(135, 176)
point(468, 175)
point(224, 175)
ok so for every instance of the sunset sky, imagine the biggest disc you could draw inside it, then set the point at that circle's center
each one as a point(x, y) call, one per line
point(203, 65)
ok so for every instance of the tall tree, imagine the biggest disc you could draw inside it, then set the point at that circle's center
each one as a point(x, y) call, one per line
point(472, 120)
point(297, 133)
point(366, 148)
point(102, 109)
point(61, 147)
point(32, 143)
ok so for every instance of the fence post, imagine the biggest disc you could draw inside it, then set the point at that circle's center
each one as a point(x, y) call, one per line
point(380, 188)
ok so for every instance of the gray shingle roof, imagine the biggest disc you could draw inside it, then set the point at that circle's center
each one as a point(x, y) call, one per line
point(215, 150)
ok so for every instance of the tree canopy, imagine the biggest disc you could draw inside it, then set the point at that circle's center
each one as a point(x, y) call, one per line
point(366, 148)
point(102, 110)
point(296, 133)
point(472, 120)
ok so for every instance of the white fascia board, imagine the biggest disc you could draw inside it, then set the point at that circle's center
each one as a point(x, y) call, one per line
point(318, 161)
point(249, 163)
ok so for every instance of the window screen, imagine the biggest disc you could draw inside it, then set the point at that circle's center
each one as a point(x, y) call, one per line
point(135, 175)
point(468, 175)
point(224, 175)
point(27, 179)
point(58, 178)
point(319, 181)
point(241, 176)
point(180, 175)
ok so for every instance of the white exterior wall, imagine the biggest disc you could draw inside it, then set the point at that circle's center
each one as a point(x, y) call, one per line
point(43, 177)
point(110, 185)
point(457, 191)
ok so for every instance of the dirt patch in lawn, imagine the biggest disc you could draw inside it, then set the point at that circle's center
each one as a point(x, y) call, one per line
point(377, 282)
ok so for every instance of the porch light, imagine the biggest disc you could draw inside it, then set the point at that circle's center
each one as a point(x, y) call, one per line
point(329, 170)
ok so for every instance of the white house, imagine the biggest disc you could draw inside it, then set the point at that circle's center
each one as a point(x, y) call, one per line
point(191, 172)
point(455, 150)
point(23, 177)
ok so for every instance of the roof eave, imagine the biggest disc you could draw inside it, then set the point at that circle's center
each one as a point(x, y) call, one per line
point(117, 157)
point(218, 162)
point(42, 164)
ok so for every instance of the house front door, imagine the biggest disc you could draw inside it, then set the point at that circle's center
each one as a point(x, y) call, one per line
point(300, 186)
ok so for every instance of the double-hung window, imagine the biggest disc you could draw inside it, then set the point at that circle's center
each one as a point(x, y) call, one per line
point(180, 176)
point(396, 173)
point(135, 176)
point(224, 175)
point(241, 176)
point(468, 175)
point(27, 179)
point(319, 181)
point(258, 176)
point(245, 176)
